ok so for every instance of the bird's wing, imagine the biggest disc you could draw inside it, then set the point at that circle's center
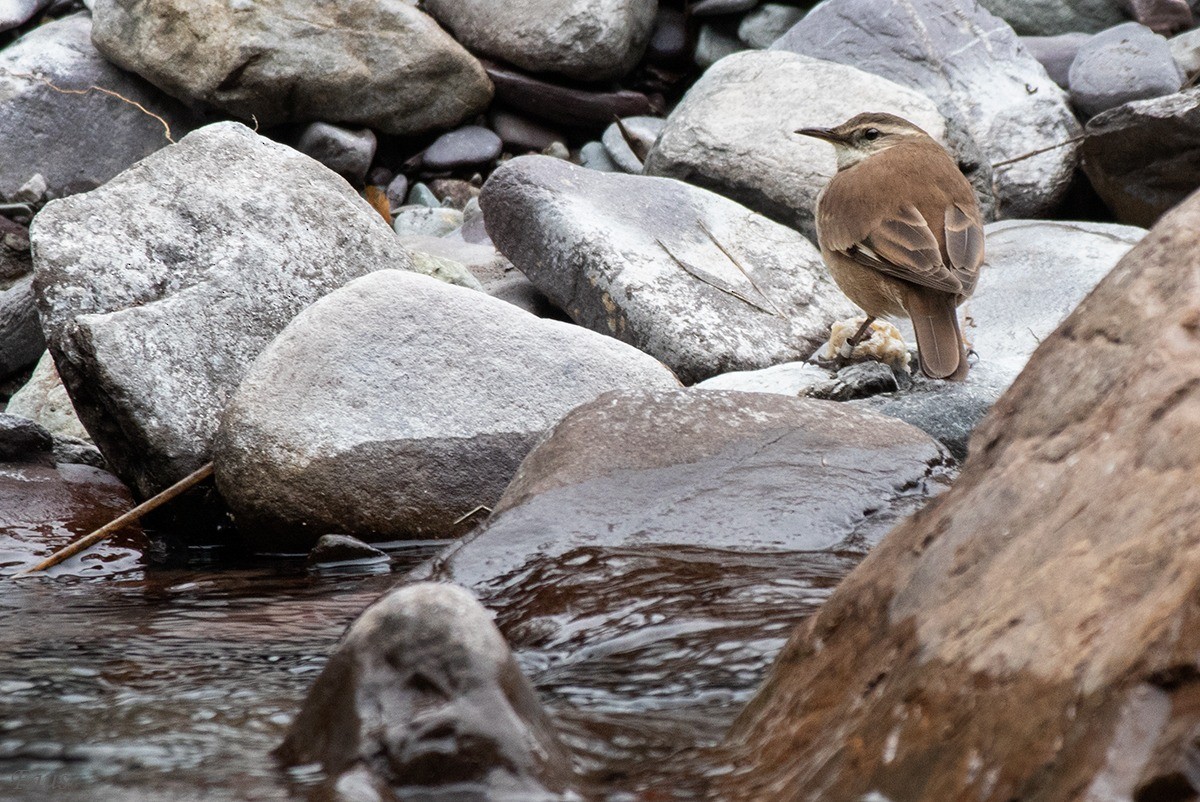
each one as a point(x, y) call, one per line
point(964, 243)
point(902, 245)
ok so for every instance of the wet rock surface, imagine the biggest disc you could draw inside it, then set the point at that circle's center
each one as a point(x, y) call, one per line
point(150, 341)
point(697, 281)
point(423, 691)
point(973, 67)
point(1020, 583)
point(384, 64)
point(301, 453)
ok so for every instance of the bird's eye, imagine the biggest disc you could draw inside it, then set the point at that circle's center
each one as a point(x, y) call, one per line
point(871, 134)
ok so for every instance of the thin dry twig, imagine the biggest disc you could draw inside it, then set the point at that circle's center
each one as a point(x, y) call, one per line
point(740, 267)
point(111, 528)
point(466, 515)
point(1039, 151)
point(55, 87)
point(705, 279)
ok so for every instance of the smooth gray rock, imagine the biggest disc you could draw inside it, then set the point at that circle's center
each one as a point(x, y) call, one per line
point(521, 135)
point(23, 440)
point(482, 260)
point(376, 63)
point(21, 340)
point(733, 133)
point(1126, 63)
point(423, 220)
point(157, 290)
point(791, 379)
point(75, 142)
point(44, 399)
point(422, 195)
point(712, 8)
point(670, 42)
point(1056, 53)
point(469, 146)
point(645, 131)
point(594, 156)
point(423, 691)
point(397, 190)
point(762, 26)
point(1035, 274)
point(1185, 49)
point(1053, 17)
point(1143, 158)
point(396, 375)
point(717, 39)
point(973, 66)
point(629, 256)
point(347, 152)
point(77, 451)
point(592, 40)
point(15, 13)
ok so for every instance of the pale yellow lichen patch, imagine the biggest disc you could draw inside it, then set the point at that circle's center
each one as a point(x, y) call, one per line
point(884, 345)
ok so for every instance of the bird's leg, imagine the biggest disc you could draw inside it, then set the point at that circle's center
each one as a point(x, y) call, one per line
point(848, 347)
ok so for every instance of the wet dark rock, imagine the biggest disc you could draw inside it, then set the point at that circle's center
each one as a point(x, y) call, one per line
point(629, 256)
point(384, 65)
point(580, 39)
point(521, 135)
point(397, 191)
point(345, 151)
point(565, 105)
point(15, 13)
point(22, 440)
point(1162, 16)
point(1055, 17)
point(21, 340)
point(711, 8)
point(15, 260)
point(857, 381)
point(1056, 53)
point(454, 192)
point(73, 451)
point(1059, 570)
point(1142, 157)
point(724, 137)
point(396, 375)
point(760, 28)
point(423, 691)
point(1125, 63)
point(469, 146)
point(331, 549)
point(973, 66)
point(158, 290)
point(644, 130)
point(670, 44)
point(66, 142)
point(717, 39)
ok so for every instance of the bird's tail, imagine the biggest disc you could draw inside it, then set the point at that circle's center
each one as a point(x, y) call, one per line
point(939, 341)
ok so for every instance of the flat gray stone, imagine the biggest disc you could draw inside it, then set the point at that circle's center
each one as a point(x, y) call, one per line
point(790, 379)
point(734, 131)
point(376, 63)
point(1126, 63)
point(397, 375)
point(629, 256)
point(74, 142)
point(973, 66)
point(583, 39)
point(469, 146)
point(644, 130)
point(761, 27)
point(157, 290)
point(347, 152)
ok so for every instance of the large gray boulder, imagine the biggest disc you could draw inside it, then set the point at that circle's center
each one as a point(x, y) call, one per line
point(423, 691)
point(54, 126)
point(398, 406)
point(973, 66)
point(1125, 63)
point(158, 289)
point(734, 131)
point(586, 39)
point(376, 63)
point(1142, 157)
point(694, 279)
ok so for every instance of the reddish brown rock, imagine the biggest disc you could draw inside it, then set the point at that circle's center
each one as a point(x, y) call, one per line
point(1034, 633)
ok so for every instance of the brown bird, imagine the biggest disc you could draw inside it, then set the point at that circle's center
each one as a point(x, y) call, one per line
point(900, 229)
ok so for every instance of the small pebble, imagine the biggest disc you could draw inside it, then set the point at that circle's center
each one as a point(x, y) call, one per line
point(717, 40)
point(521, 135)
point(331, 549)
point(422, 195)
point(397, 191)
point(348, 152)
point(432, 222)
point(595, 156)
point(645, 131)
point(469, 146)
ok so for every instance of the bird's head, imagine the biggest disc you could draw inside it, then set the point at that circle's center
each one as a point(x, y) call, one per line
point(865, 135)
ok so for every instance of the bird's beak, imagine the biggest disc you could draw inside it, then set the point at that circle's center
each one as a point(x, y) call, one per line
point(820, 133)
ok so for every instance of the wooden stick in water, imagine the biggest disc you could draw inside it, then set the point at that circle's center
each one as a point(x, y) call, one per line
point(111, 528)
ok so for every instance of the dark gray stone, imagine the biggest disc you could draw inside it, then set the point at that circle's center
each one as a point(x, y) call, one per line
point(1125, 63)
point(644, 130)
point(857, 381)
point(423, 691)
point(74, 142)
point(397, 191)
point(21, 339)
point(15, 13)
point(762, 26)
point(73, 451)
point(570, 106)
point(469, 146)
point(521, 135)
point(15, 260)
point(973, 66)
point(712, 8)
point(670, 45)
point(376, 63)
point(347, 152)
point(1056, 53)
point(397, 375)
point(422, 195)
point(333, 549)
point(1055, 17)
point(22, 440)
point(157, 290)
point(717, 39)
point(694, 279)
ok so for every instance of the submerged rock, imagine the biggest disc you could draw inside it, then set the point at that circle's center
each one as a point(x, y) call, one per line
point(694, 279)
point(335, 549)
point(157, 290)
point(423, 691)
point(1060, 570)
point(399, 407)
